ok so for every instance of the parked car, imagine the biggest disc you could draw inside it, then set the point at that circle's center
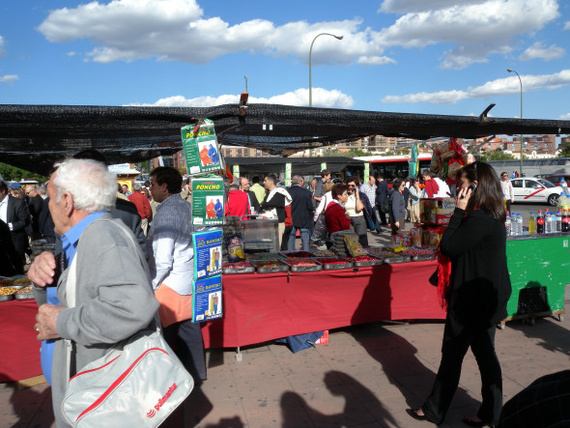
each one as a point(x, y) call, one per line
point(535, 190)
point(555, 178)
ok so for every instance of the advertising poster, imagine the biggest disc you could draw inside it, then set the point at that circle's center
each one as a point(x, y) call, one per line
point(207, 299)
point(323, 166)
point(366, 171)
point(200, 147)
point(236, 171)
point(207, 253)
point(207, 201)
point(287, 175)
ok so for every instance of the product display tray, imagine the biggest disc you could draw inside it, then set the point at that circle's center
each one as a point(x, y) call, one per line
point(279, 267)
point(295, 268)
point(334, 266)
point(229, 270)
point(375, 262)
point(397, 259)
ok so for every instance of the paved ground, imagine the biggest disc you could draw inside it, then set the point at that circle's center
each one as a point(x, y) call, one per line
point(365, 377)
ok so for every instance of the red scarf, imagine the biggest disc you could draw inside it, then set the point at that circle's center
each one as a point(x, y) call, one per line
point(443, 276)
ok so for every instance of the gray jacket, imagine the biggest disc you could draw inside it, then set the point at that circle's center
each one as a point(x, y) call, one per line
point(114, 299)
point(398, 205)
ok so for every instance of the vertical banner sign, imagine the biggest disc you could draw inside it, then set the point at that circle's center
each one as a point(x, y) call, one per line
point(235, 171)
point(207, 201)
point(200, 146)
point(323, 166)
point(207, 253)
point(207, 299)
point(366, 171)
point(287, 175)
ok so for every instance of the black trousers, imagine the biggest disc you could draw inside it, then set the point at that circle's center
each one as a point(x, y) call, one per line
point(185, 339)
point(457, 339)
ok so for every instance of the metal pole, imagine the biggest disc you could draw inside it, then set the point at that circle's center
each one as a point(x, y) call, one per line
point(245, 77)
point(310, 63)
point(510, 70)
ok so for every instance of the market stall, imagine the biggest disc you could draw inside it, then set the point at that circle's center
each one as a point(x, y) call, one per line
point(261, 307)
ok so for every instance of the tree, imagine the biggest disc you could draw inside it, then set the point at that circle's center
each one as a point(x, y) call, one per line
point(564, 150)
point(496, 155)
point(12, 173)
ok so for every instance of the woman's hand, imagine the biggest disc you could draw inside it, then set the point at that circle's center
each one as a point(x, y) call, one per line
point(463, 198)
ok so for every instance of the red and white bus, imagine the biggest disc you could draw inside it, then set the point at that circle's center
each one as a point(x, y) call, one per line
point(395, 166)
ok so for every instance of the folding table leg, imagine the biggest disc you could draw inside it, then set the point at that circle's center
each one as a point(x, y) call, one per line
point(239, 355)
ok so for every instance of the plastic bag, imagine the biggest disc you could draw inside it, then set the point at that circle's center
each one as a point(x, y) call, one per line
point(354, 247)
point(234, 245)
point(321, 231)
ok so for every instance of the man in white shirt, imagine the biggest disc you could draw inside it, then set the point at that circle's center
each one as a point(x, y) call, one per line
point(369, 189)
point(171, 264)
point(507, 188)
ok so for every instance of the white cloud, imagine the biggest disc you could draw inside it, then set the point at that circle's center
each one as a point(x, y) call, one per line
point(127, 30)
point(407, 6)
point(567, 25)
point(504, 86)
point(565, 116)
point(375, 60)
point(9, 78)
point(538, 50)
point(300, 97)
point(2, 50)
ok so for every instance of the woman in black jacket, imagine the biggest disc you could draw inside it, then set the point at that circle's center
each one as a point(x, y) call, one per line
point(398, 206)
point(479, 288)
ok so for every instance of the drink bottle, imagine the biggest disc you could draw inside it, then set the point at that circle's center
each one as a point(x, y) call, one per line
point(519, 225)
point(508, 224)
point(531, 224)
point(566, 221)
point(558, 218)
point(540, 222)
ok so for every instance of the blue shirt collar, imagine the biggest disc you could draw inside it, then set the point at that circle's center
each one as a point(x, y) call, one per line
point(70, 239)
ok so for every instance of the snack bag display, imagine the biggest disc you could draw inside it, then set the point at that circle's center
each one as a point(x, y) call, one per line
point(234, 245)
point(353, 246)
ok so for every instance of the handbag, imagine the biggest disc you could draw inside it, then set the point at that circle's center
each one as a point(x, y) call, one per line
point(321, 231)
point(137, 383)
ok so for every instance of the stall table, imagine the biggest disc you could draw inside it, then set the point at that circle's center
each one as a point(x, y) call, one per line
point(258, 308)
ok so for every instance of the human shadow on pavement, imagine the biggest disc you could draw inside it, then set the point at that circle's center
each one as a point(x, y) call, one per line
point(361, 406)
point(399, 361)
point(32, 408)
point(551, 335)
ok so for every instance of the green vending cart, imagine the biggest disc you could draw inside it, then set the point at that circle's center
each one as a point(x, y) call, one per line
point(539, 266)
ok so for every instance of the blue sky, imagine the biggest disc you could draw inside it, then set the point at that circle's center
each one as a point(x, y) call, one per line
point(417, 56)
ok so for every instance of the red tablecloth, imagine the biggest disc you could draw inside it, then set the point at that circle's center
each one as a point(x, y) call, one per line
point(19, 349)
point(258, 308)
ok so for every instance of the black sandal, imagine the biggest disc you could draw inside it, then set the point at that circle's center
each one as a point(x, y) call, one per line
point(414, 414)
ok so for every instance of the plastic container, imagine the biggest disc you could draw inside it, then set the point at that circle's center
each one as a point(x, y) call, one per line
point(508, 225)
point(519, 225)
point(260, 234)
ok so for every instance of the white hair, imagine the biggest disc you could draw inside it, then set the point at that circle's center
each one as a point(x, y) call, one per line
point(92, 186)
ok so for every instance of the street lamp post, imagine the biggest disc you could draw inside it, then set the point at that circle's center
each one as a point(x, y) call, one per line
point(510, 70)
point(310, 58)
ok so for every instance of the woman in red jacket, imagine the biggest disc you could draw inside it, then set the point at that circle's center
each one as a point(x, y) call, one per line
point(335, 215)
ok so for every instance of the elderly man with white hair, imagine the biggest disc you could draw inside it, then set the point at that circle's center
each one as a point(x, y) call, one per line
point(113, 297)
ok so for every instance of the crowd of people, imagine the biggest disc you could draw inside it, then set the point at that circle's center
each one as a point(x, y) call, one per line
point(140, 238)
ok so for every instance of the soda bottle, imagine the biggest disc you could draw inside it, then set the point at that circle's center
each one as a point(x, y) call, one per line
point(540, 222)
point(566, 221)
point(531, 224)
point(508, 224)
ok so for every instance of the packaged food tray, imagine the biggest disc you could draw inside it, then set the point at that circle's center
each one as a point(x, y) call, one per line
point(270, 266)
point(305, 267)
point(9, 292)
point(237, 268)
point(363, 261)
point(337, 263)
point(397, 259)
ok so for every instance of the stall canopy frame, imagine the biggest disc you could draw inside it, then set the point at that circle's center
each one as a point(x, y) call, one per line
point(33, 137)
